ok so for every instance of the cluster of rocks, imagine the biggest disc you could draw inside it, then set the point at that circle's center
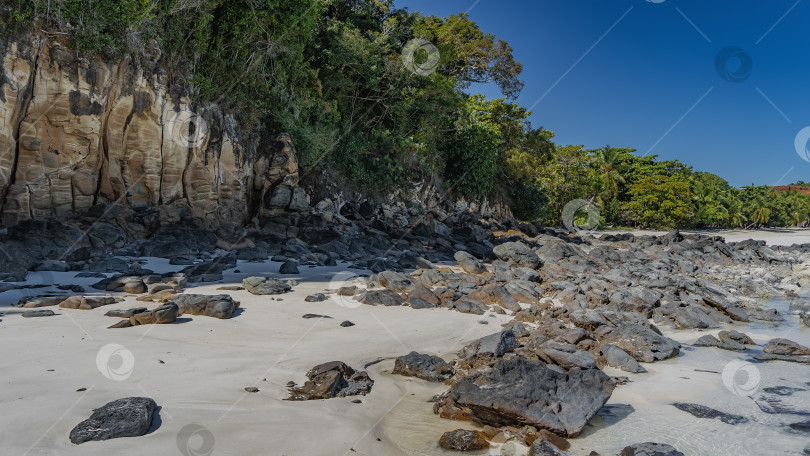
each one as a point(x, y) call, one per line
point(329, 380)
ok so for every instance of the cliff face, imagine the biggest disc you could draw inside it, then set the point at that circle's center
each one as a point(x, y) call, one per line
point(77, 133)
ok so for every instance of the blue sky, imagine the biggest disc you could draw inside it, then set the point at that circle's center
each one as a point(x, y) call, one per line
point(642, 74)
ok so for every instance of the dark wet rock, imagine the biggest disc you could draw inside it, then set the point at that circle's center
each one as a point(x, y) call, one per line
point(463, 440)
point(517, 328)
point(785, 347)
point(217, 306)
point(520, 392)
point(289, 267)
point(620, 359)
point(346, 324)
point(650, 449)
point(109, 265)
point(253, 254)
point(641, 342)
point(803, 426)
point(90, 275)
point(708, 340)
point(308, 316)
point(736, 336)
point(426, 367)
point(317, 297)
point(332, 379)
point(469, 305)
point(381, 298)
point(395, 281)
point(418, 303)
point(518, 254)
point(37, 313)
point(73, 288)
point(701, 411)
point(265, 286)
point(497, 344)
point(782, 390)
point(128, 417)
point(542, 447)
point(51, 265)
point(774, 405)
point(469, 263)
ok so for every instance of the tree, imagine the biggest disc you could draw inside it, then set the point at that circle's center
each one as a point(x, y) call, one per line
point(660, 201)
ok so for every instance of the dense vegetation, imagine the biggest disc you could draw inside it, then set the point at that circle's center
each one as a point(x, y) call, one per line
point(331, 73)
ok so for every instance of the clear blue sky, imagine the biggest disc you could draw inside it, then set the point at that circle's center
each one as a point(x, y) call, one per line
point(623, 72)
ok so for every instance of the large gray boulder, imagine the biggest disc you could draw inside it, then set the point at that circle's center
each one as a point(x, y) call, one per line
point(426, 367)
point(642, 343)
point(618, 358)
point(517, 392)
point(650, 449)
point(497, 344)
point(217, 306)
point(518, 254)
point(469, 263)
point(128, 417)
point(265, 286)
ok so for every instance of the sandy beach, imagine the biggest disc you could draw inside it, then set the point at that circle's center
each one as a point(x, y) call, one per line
point(197, 368)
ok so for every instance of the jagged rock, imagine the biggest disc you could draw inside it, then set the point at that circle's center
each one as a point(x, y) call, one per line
point(218, 306)
point(541, 447)
point(469, 263)
point(265, 286)
point(381, 298)
point(736, 336)
point(332, 379)
point(463, 440)
point(346, 324)
point(109, 265)
point(497, 344)
point(496, 294)
point(125, 313)
point(710, 341)
point(289, 267)
point(37, 313)
point(650, 449)
point(128, 417)
point(426, 367)
point(701, 411)
point(785, 347)
point(466, 304)
point(518, 254)
point(642, 343)
point(166, 313)
point(395, 281)
point(618, 358)
point(520, 392)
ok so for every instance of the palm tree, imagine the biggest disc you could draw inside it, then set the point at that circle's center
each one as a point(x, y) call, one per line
point(606, 159)
point(761, 215)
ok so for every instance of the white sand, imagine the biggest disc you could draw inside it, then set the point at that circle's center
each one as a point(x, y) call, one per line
point(772, 236)
point(208, 362)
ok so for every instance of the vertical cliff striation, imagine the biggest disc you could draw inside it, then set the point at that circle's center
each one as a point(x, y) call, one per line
point(75, 134)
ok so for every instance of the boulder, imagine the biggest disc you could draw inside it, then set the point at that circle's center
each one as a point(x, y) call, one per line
point(167, 313)
point(641, 342)
point(395, 281)
point(218, 306)
point(265, 286)
point(426, 367)
point(86, 302)
point(128, 417)
point(40, 301)
point(125, 313)
point(463, 440)
point(496, 294)
point(317, 297)
point(381, 298)
point(520, 392)
point(542, 447)
point(785, 347)
point(37, 313)
point(497, 344)
point(650, 449)
point(518, 254)
point(736, 336)
point(618, 358)
point(332, 379)
point(469, 263)
point(289, 267)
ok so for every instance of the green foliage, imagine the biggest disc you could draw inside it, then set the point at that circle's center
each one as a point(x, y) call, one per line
point(528, 201)
point(660, 201)
point(472, 161)
point(381, 163)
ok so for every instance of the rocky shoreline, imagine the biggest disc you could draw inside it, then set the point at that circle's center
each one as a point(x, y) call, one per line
point(572, 305)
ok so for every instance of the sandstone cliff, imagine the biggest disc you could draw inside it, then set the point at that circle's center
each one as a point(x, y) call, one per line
point(75, 134)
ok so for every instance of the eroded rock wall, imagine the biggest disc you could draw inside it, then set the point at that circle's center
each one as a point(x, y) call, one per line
point(76, 133)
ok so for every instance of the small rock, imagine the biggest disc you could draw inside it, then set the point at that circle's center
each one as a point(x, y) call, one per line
point(251, 389)
point(463, 440)
point(701, 411)
point(650, 449)
point(317, 297)
point(346, 324)
point(38, 313)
